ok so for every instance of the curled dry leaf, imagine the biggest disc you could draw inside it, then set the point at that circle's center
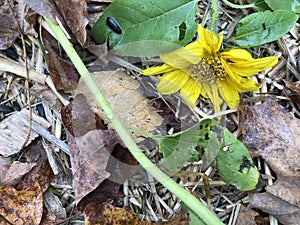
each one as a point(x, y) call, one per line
point(23, 174)
point(273, 134)
point(122, 93)
point(21, 206)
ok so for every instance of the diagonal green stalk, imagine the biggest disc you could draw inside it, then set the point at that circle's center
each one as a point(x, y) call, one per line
point(214, 15)
point(192, 202)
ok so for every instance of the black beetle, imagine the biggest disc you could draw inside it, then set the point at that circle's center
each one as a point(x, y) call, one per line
point(113, 25)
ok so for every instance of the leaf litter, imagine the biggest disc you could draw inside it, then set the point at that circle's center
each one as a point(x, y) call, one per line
point(273, 134)
point(148, 199)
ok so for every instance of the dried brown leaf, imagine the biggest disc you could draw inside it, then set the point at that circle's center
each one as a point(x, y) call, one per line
point(122, 93)
point(121, 166)
point(9, 27)
point(90, 154)
point(41, 173)
point(4, 167)
point(90, 147)
point(273, 134)
point(295, 86)
point(16, 172)
point(15, 19)
point(105, 214)
point(44, 8)
point(92, 161)
point(21, 207)
point(108, 214)
point(107, 190)
point(21, 175)
point(78, 118)
point(246, 216)
point(63, 72)
point(285, 212)
point(76, 17)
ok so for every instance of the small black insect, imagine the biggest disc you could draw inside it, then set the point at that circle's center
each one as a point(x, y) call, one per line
point(264, 26)
point(113, 25)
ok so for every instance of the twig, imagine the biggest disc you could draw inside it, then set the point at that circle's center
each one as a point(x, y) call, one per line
point(13, 67)
point(44, 133)
point(26, 72)
point(236, 6)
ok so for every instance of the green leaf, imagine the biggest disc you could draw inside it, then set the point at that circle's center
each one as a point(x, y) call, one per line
point(260, 5)
point(178, 148)
point(148, 28)
point(210, 139)
point(235, 165)
point(289, 5)
point(263, 27)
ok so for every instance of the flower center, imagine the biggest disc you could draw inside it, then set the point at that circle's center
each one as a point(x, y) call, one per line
point(209, 69)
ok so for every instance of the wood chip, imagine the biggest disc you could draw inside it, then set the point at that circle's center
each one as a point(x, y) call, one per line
point(13, 132)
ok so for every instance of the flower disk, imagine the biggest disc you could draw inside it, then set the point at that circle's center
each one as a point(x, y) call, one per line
point(200, 69)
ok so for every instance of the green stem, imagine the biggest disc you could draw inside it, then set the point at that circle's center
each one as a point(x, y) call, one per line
point(236, 6)
point(214, 15)
point(192, 202)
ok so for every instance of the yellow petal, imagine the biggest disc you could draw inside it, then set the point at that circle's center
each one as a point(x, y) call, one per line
point(211, 90)
point(253, 66)
point(172, 82)
point(190, 92)
point(240, 84)
point(181, 58)
point(229, 94)
point(209, 40)
point(157, 70)
point(237, 55)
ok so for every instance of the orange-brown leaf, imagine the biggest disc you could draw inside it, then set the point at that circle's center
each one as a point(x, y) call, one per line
point(21, 207)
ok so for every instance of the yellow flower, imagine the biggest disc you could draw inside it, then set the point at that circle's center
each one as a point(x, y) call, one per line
point(200, 69)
